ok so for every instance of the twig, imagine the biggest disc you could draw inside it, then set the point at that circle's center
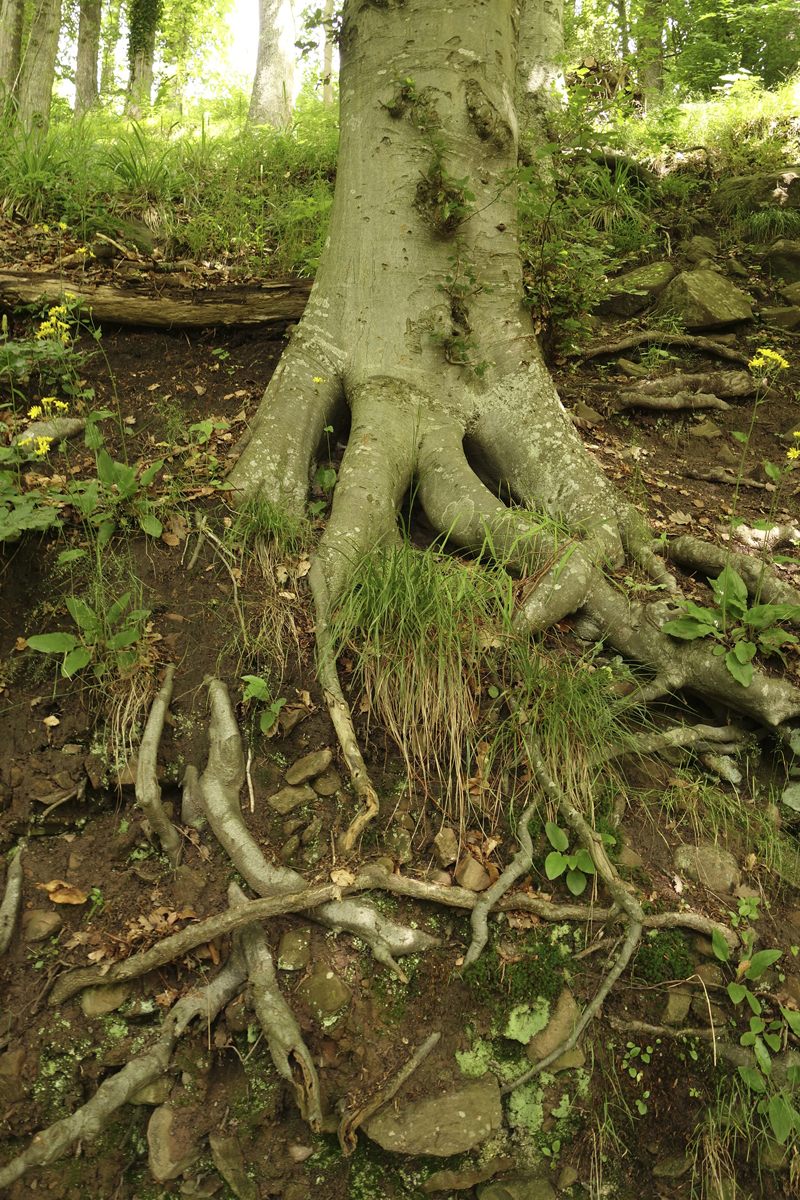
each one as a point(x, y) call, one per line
point(519, 866)
point(250, 779)
point(200, 522)
point(148, 791)
point(352, 1119)
point(78, 793)
point(12, 898)
point(681, 735)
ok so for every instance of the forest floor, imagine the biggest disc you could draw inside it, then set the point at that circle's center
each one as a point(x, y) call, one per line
point(598, 1125)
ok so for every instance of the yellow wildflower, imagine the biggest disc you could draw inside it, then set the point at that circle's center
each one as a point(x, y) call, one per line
point(62, 225)
point(793, 453)
point(46, 228)
point(43, 445)
point(319, 379)
point(26, 441)
point(34, 412)
point(62, 405)
point(70, 296)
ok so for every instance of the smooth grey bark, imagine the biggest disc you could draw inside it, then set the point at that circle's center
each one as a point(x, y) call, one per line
point(327, 56)
point(273, 85)
point(140, 84)
point(11, 12)
point(38, 65)
point(650, 52)
point(110, 37)
point(86, 92)
point(541, 87)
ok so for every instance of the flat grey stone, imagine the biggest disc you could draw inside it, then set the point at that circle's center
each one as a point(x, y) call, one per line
point(309, 767)
point(294, 950)
point(633, 291)
point(707, 430)
point(561, 1024)
point(791, 293)
point(324, 993)
point(101, 1000)
point(39, 924)
point(445, 847)
point(455, 1181)
point(290, 798)
point(171, 1144)
point(672, 1168)
point(709, 865)
point(398, 844)
point(328, 783)
point(676, 1009)
point(704, 300)
point(154, 1093)
point(444, 1124)
point(629, 858)
point(698, 247)
point(227, 1155)
point(785, 318)
point(57, 429)
point(290, 848)
point(523, 1187)
point(471, 875)
point(783, 260)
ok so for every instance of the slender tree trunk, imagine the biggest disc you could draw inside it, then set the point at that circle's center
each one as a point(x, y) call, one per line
point(650, 52)
point(273, 85)
point(108, 81)
point(38, 65)
point(86, 93)
point(624, 31)
point(327, 58)
point(540, 78)
point(140, 84)
point(10, 44)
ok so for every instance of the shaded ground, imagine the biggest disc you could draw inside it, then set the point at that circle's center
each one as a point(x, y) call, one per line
point(56, 732)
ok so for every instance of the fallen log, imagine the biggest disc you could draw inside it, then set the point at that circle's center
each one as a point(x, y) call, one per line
point(156, 304)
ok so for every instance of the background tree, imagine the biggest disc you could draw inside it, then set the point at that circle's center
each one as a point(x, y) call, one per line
point(273, 85)
point(190, 35)
point(38, 65)
point(11, 14)
point(86, 90)
point(110, 39)
point(143, 18)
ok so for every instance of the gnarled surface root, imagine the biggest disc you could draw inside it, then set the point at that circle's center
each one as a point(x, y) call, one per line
point(352, 1118)
point(12, 899)
point(148, 792)
point(286, 1046)
point(759, 577)
point(88, 1122)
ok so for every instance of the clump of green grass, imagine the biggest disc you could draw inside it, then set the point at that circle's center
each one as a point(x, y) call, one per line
point(770, 223)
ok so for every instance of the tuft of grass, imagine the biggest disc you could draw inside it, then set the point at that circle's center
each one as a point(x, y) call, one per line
point(771, 223)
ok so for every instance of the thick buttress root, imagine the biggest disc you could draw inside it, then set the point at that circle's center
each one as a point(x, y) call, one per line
point(12, 899)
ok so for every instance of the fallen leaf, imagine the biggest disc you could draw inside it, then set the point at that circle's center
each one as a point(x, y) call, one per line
point(677, 883)
point(303, 567)
point(170, 539)
point(342, 878)
point(680, 518)
point(21, 643)
point(51, 722)
point(287, 595)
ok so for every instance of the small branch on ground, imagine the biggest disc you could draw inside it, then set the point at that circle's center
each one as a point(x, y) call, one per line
point(12, 899)
point(519, 866)
point(722, 475)
point(353, 1118)
point(148, 792)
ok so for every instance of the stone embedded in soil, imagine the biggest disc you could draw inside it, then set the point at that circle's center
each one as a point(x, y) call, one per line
point(441, 878)
point(328, 783)
point(290, 798)
point(170, 1142)
point(309, 767)
point(698, 247)
point(672, 1168)
point(792, 293)
point(629, 858)
point(783, 260)
point(522, 1187)
point(708, 1013)
point(707, 430)
point(99, 1001)
point(785, 318)
point(728, 457)
point(11, 1086)
point(715, 868)
point(633, 291)
point(324, 993)
point(471, 875)
point(188, 885)
point(294, 950)
point(566, 1179)
point(676, 1009)
point(445, 847)
point(290, 848)
point(154, 1093)
point(443, 1124)
point(39, 924)
point(398, 844)
point(446, 1181)
point(558, 1029)
point(704, 300)
point(227, 1155)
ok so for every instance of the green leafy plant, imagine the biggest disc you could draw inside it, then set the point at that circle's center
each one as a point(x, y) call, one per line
point(755, 630)
point(107, 639)
point(258, 689)
point(116, 495)
point(575, 866)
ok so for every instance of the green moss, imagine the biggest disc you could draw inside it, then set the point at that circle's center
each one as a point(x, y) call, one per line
point(538, 973)
point(663, 954)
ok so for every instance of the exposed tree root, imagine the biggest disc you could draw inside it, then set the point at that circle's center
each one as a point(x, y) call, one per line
point(736, 1055)
point(285, 1041)
point(664, 339)
point(679, 402)
point(723, 475)
point(759, 576)
point(519, 866)
point(765, 541)
point(148, 792)
point(699, 737)
point(352, 1118)
point(88, 1122)
point(219, 789)
point(12, 899)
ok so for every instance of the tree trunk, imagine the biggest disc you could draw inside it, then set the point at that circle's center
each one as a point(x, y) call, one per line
point(541, 86)
point(416, 324)
point(327, 56)
point(273, 85)
point(86, 93)
point(38, 66)
point(650, 52)
point(143, 18)
point(108, 82)
point(10, 44)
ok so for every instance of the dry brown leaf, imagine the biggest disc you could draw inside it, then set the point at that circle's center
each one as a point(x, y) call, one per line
point(342, 878)
point(170, 539)
point(51, 722)
point(21, 643)
point(303, 567)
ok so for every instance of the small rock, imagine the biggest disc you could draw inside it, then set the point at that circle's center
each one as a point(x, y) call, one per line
point(631, 369)
point(676, 1009)
point(290, 848)
point(585, 417)
point(292, 826)
point(672, 1168)
point(558, 1028)
point(11, 1086)
point(237, 1015)
point(783, 259)
point(698, 247)
point(471, 875)
point(386, 864)
point(522, 1187)
point(290, 798)
point(188, 885)
point(99, 1001)
point(704, 300)
point(39, 924)
point(707, 430)
point(709, 865)
point(309, 767)
point(311, 832)
point(398, 844)
point(704, 946)
point(324, 993)
point(440, 878)
point(723, 766)
point(294, 950)
point(72, 748)
point(629, 858)
point(328, 783)
point(710, 973)
point(708, 1013)
point(444, 1124)
point(171, 1144)
point(153, 1093)
point(566, 1179)
point(455, 1181)
point(227, 1155)
point(728, 457)
point(299, 1154)
point(445, 847)
point(784, 318)
point(793, 917)
point(736, 268)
